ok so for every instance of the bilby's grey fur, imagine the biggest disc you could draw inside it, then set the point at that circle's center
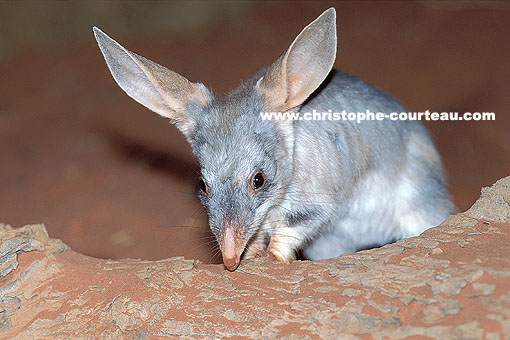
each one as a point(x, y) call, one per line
point(330, 186)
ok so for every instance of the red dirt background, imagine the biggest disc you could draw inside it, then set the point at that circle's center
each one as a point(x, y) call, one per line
point(114, 180)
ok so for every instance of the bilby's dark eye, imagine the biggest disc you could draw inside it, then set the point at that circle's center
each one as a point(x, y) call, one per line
point(258, 181)
point(202, 186)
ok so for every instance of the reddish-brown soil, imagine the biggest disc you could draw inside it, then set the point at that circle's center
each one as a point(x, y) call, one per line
point(113, 180)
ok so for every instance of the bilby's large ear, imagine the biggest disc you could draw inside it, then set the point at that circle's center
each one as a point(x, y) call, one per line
point(152, 85)
point(303, 67)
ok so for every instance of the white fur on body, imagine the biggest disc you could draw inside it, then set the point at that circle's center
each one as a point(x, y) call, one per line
point(378, 212)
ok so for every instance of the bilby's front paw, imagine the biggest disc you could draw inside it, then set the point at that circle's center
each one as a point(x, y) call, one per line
point(278, 255)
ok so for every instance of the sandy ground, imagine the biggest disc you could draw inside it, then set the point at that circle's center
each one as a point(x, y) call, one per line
point(113, 180)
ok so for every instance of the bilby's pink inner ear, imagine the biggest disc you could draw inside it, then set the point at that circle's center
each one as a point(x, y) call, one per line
point(298, 72)
point(152, 85)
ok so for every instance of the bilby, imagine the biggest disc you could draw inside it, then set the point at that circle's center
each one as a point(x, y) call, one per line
point(283, 186)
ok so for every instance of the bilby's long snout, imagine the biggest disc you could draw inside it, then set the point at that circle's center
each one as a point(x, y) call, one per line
point(232, 246)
